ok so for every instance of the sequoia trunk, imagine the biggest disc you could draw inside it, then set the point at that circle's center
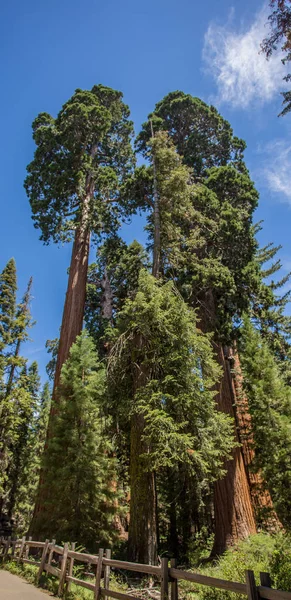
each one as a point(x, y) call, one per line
point(233, 510)
point(72, 323)
point(261, 499)
point(234, 518)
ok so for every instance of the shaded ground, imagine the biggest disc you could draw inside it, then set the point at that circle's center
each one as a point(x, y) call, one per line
point(14, 588)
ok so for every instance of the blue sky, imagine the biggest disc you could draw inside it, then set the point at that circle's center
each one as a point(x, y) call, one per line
point(146, 49)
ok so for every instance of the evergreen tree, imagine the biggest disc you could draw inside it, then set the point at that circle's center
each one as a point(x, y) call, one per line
point(270, 406)
point(8, 288)
point(29, 471)
point(79, 492)
point(25, 400)
point(73, 183)
point(166, 189)
point(21, 325)
point(280, 21)
point(161, 375)
point(111, 279)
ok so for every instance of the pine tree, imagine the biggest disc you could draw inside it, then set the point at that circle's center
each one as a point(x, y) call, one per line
point(29, 471)
point(25, 400)
point(21, 324)
point(8, 288)
point(78, 491)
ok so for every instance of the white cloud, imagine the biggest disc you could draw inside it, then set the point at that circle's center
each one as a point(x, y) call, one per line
point(243, 75)
point(277, 168)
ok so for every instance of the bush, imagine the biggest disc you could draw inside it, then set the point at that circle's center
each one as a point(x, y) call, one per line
point(280, 566)
point(255, 553)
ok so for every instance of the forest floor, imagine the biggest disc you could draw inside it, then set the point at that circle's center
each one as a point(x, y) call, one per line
point(13, 587)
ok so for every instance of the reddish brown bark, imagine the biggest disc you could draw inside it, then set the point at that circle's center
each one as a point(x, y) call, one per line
point(233, 511)
point(72, 323)
point(261, 498)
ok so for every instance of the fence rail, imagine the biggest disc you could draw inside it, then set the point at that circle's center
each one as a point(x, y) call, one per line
point(169, 576)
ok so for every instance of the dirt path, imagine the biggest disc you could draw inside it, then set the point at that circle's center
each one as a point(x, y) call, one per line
point(15, 588)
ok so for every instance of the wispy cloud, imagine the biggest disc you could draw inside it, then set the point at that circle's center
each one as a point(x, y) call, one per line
point(276, 171)
point(242, 74)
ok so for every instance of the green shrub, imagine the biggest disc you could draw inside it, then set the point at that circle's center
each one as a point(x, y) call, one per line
point(280, 566)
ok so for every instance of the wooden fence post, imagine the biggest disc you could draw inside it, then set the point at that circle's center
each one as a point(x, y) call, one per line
point(252, 591)
point(165, 579)
point(174, 582)
point(42, 560)
point(98, 574)
point(107, 571)
point(265, 580)
point(27, 547)
point(8, 542)
point(71, 566)
point(21, 549)
point(51, 552)
point(63, 570)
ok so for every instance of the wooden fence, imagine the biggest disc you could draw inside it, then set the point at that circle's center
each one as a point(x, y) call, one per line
point(64, 559)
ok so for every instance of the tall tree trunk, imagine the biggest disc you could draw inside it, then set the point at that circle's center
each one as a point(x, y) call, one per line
point(233, 510)
point(261, 498)
point(72, 323)
point(142, 535)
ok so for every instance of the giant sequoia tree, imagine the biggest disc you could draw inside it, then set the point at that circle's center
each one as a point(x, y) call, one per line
point(72, 184)
point(81, 159)
point(155, 335)
point(220, 272)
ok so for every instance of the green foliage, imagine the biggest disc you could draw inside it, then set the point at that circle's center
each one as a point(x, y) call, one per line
point(30, 451)
point(85, 151)
point(280, 21)
point(111, 279)
point(280, 564)
point(270, 407)
point(255, 554)
point(198, 131)
point(79, 489)
point(182, 424)
point(8, 288)
point(207, 237)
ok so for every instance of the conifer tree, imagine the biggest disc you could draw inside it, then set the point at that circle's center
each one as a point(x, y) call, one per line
point(270, 406)
point(79, 495)
point(25, 400)
point(8, 288)
point(165, 383)
point(220, 268)
point(111, 279)
point(169, 196)
point(29, 471)
point(280, 21)
point(20, 328)
point(73, 183)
